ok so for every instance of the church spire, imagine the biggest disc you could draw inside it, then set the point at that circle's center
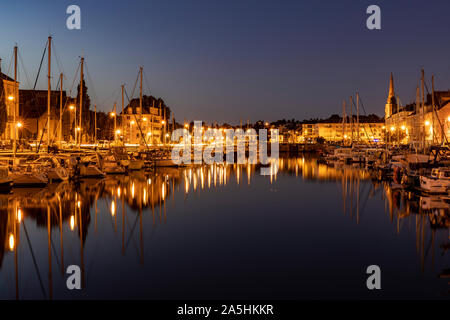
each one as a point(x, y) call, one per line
point(391, 88)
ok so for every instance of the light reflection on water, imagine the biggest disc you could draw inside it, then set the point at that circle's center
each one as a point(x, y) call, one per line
point(224, 231)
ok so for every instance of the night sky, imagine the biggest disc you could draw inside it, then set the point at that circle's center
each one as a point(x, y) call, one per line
point(236, 59)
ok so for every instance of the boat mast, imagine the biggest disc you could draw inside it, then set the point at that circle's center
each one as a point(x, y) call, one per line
point(351, 120)
point(115, 123)
point(15, 105)
point(60, 111)
point(343, 122)
point(123, 114)
point(49, 90)
point(357, 117)
point(81, 100)
point(95, 124)
point(423, 110)
point(140, 100)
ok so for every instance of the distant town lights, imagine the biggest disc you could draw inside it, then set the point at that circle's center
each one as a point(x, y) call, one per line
point(132, 122)
point(118, 131)
point(427, 123)
point(145, 119)
point(19, 124)
point(10, 98)
point(163, 122)
point(403, 127)
point(113, 114)
point(78, 129)
point(392, 128)
point(72, 107)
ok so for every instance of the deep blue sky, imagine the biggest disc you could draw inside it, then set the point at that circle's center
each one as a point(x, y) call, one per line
point(238, 59)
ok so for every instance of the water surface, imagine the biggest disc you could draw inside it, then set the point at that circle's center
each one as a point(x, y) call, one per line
point(308, 232)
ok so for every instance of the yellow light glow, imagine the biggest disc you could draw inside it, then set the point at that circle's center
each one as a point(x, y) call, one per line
point(118, 191)
point(145, 119)
point(163, 122)
point(186, 126)
point(72, 222)
point(10, 98)
point(132, 122)
point(403, 127)
point(19, 215)
point(113, 114)
point(118, 131)
point(19, 125)
point(427, 123)
point(11, 242)
point(392, 128)
point(79, 204)
point(72, 107)
point(78, 129)
point(149, 133)
point(448, 119)
point(113, 208)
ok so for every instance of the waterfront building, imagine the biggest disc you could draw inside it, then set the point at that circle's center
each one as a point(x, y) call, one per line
point(33, 115)
point(146, 127)
point(336, 131)
point(416, 123)
point(9, 100)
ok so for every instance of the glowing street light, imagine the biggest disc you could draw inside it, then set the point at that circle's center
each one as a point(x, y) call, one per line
point(78, 129)
point(132, 122)
point(10, 98)
point(118, 131)
point(112, 114)
point(427, 123)
point(392, 128)
point(403, 127)
point(11, 242)
point(71, 107)
point(163, 122)
point(19, 124)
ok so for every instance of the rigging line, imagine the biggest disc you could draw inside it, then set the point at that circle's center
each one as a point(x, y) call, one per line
point(10, 63)
point(24, 69)
point(365, 113)
point(40, 65)
point(363, 126)
point(91, 83)
point(137, 122)
point(146, 81)
point(34, 260)
point(58, 62)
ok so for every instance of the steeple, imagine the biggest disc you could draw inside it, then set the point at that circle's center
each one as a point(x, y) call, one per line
point(391, 103)
point(391, 89)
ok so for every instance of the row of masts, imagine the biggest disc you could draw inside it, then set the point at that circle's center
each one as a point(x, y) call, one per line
point(344, 116)
point(78, 113)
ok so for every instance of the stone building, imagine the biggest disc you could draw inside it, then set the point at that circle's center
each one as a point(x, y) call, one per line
point(417, 124)
point(9, 100)
point(146, 127)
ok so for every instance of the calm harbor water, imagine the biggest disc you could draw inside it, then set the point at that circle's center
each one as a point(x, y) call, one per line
point(225, 232)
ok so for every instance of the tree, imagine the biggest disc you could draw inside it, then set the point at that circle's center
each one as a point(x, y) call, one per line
point(87, 124)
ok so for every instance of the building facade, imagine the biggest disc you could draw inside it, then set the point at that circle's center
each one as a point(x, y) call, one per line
point(146, 127)
point(365, 132)
point(9, 96)
point(418, 124)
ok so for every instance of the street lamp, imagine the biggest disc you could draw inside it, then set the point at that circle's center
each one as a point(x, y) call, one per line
point(10, 98)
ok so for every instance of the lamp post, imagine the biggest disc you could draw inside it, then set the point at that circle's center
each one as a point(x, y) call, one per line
point(164, 131)
point(73, 109)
